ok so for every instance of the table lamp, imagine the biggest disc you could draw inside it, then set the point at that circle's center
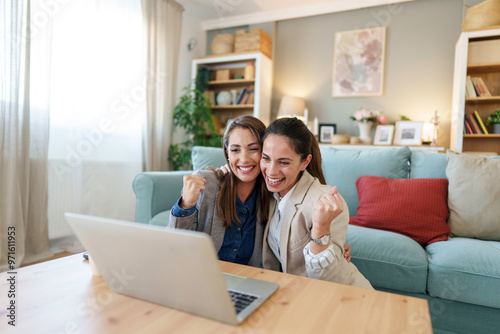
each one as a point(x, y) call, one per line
point(293, 106)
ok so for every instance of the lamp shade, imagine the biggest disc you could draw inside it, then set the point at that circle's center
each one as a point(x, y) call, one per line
point(292, 106)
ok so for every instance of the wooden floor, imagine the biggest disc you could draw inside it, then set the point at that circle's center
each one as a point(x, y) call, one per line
point(56, 256)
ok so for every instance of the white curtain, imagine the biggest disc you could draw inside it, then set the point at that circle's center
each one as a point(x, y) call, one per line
point(98, 94)
point(24, 131)
point(162, 22)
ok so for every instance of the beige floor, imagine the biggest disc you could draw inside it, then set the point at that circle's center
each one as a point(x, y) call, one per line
point(55, 256)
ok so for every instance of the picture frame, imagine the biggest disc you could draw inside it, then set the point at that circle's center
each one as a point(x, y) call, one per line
point(358, 62)
point(408, 133)
point(326, 131)
point(384, 135)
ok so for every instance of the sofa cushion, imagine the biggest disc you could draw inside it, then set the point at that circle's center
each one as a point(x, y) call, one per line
point(203, 157)
point(388, 260)
point(343, 167)
point(161, 219)
point(416, 208)
point(474, 196)
point(465, 270)
point(427, 165)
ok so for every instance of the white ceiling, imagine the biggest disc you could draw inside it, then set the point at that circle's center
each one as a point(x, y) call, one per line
point(214, 9)
point(229, 13)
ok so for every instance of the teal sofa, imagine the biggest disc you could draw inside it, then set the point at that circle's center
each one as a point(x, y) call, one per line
point(459, 277)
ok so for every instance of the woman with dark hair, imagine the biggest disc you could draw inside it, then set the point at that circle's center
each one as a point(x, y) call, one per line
point(308, 222)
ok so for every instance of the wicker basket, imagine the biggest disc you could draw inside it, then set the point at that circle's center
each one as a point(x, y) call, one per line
point(483, 15)
point(255, 40)
point(222, 43)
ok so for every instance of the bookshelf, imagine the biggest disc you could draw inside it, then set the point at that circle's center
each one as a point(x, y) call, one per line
point(235, 63)
point(477, 54)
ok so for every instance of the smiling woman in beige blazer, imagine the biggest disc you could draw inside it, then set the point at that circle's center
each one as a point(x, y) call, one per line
point(308, 222)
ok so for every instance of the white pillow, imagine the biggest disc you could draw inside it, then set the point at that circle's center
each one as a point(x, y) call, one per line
point(473, 196)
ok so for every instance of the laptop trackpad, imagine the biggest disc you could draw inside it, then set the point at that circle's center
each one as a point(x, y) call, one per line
point(233, 280)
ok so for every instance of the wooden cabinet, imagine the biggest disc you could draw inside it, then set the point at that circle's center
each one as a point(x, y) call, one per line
point(477, 54)
point(235, 63)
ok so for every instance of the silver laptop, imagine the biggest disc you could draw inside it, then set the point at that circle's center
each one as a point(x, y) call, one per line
point(174, 268)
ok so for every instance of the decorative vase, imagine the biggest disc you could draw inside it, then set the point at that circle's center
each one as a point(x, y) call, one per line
point(364, 132)
point(496, 128)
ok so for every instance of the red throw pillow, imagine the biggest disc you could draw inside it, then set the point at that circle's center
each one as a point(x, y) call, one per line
point(417, 208)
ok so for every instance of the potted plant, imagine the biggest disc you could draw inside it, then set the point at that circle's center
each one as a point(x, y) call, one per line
point(193, 113)
point(494, 119)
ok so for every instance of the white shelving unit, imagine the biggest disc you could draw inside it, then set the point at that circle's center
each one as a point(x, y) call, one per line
point(261, 108)
point(483, 61)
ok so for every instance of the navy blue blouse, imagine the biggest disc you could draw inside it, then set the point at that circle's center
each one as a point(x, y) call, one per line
point(239, 240)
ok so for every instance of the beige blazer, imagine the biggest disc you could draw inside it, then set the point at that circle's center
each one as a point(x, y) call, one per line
point(295, 234)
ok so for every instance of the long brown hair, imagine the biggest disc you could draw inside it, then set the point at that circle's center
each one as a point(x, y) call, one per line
point(226, 202)
point(301, 140)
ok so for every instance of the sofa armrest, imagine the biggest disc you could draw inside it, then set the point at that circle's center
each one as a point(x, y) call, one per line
point(156, 192)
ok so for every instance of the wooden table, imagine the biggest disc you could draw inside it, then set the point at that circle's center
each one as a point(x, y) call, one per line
point(62, 296)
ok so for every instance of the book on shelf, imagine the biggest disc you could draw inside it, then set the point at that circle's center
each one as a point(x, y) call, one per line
point(250, 97)
point(484, 87)
point(470, 91)
point(480, 122)
point(481, 89)
point(238, 100)
point(245, 97)
point(467, 128)
point(481, 131)
point(473, 124)
point(210, 94)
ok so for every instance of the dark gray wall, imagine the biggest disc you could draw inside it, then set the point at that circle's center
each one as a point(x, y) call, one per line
point(419, 61)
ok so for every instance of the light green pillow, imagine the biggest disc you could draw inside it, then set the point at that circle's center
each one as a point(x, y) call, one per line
point(473, 196)
point(203, 157)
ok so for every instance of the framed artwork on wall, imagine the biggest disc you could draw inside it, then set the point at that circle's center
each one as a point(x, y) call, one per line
point(358, 62)
point(408, 133)
point(326, 131)
point(384, 134)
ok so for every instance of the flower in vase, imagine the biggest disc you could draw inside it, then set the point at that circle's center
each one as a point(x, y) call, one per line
point(365, 115)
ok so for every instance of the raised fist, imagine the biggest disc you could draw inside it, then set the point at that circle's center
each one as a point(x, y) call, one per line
point(193, 186)
point(326, 209)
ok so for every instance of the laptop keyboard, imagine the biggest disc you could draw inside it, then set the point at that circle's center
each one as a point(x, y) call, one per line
point(241, 300)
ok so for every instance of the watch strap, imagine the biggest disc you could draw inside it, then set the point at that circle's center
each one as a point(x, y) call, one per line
point(323, 240)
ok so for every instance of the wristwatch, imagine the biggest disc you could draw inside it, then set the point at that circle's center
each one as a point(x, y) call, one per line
point(323, 241)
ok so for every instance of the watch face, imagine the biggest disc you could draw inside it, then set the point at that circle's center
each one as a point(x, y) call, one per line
point(324, 240)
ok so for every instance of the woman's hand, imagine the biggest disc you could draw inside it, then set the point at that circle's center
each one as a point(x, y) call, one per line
point(326, 209)
point(193, 185)
point(347, 252)
point(224, 169)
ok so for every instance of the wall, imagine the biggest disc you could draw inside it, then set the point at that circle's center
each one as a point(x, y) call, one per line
point(191, 30)
point(420, 50)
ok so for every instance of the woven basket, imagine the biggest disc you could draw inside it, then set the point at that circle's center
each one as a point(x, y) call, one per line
point(222, 43)
point(483, 15)
point(255, 40)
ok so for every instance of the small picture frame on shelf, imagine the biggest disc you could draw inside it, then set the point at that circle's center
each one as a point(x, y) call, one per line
point(408, 133)
point(384, 134)
point(326, 131)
